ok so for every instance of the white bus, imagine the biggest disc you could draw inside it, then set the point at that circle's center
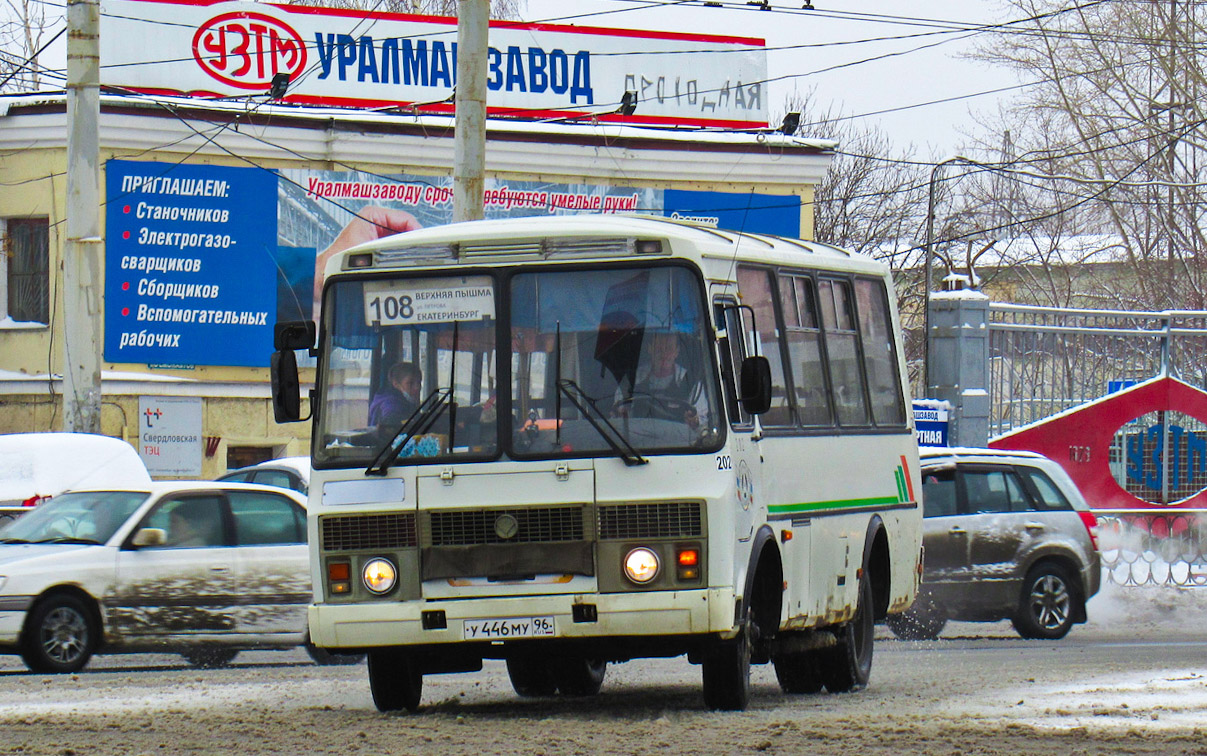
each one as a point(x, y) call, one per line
point(633, 437)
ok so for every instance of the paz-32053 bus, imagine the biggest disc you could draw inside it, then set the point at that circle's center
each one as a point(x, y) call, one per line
point(629, 437)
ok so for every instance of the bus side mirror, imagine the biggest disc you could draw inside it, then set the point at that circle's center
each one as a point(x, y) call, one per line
point(283, 368)
point(756, 385)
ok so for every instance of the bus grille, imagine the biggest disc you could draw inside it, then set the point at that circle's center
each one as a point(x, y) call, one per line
point(533, 525)
point(662, 520)
point(378, 531)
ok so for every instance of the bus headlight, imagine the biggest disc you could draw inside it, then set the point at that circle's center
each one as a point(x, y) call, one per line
point(379, 575)
point(641, 565)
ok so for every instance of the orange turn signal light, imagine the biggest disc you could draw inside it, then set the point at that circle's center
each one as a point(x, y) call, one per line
point(339, 571)
point(689, 558)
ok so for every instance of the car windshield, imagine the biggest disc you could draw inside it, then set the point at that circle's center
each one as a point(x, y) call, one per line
point(605, 361)
point(84, 517)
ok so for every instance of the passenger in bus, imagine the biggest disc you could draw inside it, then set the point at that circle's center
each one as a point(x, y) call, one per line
point(662, 387)
point(399, 401)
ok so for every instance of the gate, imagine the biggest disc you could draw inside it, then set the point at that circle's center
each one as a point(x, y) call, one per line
point(1045, 360)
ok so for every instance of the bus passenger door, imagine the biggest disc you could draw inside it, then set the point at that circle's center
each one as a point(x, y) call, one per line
point(741, 455)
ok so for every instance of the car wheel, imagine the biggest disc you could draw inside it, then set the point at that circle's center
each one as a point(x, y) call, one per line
point(210, 657)
point(531, 677)
point(60, 635)
point(325, 658)
point(727, 670)
point(578, 676)
point(798, 672)
point(1046, 606)
point(847, 665)
point(922, 621)
point(395, 680)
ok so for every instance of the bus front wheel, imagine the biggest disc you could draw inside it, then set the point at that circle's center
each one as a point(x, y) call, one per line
point(395, 680)
point(727, 670)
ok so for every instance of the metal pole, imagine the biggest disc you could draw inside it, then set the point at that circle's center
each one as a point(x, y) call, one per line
point(469, 149)
point(928, 284)
point(82, 256)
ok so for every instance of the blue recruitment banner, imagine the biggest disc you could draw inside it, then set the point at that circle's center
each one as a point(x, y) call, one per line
point(190, 270)
point(774, 214)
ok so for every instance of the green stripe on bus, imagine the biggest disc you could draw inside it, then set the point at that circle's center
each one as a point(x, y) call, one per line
point(899, 474)
point(835, 504)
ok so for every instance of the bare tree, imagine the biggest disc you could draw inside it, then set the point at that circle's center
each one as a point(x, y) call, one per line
point(506, 9)
point(25, 26)
point(1114, 106)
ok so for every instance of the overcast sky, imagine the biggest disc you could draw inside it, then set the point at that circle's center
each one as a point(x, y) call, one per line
point(861, 80)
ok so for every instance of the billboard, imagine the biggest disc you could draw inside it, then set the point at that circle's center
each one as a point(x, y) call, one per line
point(190, 264)
point(202, 260)
point(340, 57)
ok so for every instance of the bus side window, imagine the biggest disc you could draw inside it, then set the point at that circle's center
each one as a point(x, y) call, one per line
point(803, 336)
point(842, 349)
point(732, 352)
point(879, 353)
point(756, 287)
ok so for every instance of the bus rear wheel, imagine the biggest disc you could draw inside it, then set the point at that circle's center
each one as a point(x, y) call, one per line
point(727, 670)
point(579, 676)
point(798, 672)
point(395, 680)
point(847, 665)
point(531, 677)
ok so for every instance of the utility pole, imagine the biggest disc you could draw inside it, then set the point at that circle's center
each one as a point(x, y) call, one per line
point(469, 148)
point(82, 256)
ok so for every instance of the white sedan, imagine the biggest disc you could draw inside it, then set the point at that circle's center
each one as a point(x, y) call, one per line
point(199, 568)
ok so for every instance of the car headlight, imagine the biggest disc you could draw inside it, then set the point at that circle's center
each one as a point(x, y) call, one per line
point(379, 575)
point(641, 565)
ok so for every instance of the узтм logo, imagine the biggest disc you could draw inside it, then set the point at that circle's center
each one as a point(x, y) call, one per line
point(245, 49)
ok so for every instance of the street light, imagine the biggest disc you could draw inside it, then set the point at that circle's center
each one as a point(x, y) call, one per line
point(930, 240)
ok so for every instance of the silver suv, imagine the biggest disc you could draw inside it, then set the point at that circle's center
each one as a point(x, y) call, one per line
point(1006, 535)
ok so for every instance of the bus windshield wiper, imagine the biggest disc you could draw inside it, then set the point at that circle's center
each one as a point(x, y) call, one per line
point(420, 422)
point(594, 415)
point(70, 539)
point(13, 540)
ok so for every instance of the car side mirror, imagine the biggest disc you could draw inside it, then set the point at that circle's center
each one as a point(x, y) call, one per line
point(756, 385)
point(149, 537)
point(283, 368)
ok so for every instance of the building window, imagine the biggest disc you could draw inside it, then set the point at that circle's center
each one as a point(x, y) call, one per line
point(27, 265)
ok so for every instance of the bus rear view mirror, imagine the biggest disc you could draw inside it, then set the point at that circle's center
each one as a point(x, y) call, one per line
point(286, 388)
point(283, 368)
point(756, 385)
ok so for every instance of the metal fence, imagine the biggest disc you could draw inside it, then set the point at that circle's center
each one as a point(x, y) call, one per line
point(1043, 360)
point(1147, 547)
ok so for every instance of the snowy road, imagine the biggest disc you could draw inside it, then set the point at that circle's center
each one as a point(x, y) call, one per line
point(1132, 681)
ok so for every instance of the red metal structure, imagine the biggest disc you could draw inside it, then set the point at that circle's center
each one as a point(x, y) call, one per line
point(1082, 440)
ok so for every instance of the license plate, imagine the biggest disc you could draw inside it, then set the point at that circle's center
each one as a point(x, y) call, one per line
point(509, 627)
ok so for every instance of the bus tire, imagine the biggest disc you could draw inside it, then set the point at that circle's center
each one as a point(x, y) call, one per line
point(847, 665)
point(395, 680)
point(579, 676)
point(726, 670)
point(798, 673)
point(531, 677)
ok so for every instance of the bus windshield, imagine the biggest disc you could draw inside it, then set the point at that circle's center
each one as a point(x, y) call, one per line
point(604, 361)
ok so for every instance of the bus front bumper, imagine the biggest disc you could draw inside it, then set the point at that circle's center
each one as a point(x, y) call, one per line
point(654, 613)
